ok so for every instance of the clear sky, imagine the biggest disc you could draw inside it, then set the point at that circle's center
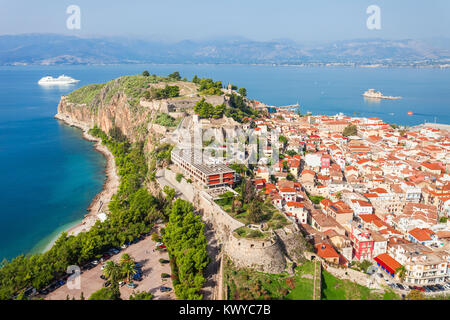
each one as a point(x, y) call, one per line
point(321, 20)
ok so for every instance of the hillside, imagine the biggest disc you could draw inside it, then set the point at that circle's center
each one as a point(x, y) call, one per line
point(144, 106)
point(49, 49)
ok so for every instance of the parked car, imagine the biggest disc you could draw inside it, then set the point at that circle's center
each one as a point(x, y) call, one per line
point(95, 262)
point(165, 289)
point(107, 283)
point(400, 286)
point(30, 292)
point(440, 287)
point(124, 246)
point(433, 288)
point(132, 285)
point(121, 283)
point(103, 277)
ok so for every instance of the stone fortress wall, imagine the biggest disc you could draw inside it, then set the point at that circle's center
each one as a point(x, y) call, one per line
point(179, 104)
point(262, 255)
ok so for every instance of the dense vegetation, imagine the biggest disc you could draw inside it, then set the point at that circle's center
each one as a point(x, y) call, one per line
point(166, 120)
point(350, 130)
point(134, 87)
point(86, 94)
point(208, 87)
point(164, 93)
point(132, 212)
point(238, 109)
point(185, 240)
point(249, 207)
point(206, 110)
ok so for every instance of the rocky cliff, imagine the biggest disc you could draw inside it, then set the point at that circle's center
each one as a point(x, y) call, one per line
point(117, 112)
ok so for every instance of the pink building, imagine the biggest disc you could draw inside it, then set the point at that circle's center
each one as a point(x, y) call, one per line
point(362, 242)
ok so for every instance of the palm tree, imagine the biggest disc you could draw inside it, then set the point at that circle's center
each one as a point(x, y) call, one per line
point(112, 271)
point(129, 269)
point(126, 258)
point(401, 272)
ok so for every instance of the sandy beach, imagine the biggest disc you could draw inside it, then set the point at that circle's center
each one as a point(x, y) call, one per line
point(100, 203)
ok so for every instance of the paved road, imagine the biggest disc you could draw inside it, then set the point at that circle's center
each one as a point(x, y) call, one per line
point(162, 181)
point(144, 253)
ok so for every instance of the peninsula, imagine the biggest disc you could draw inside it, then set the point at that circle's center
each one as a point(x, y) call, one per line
point(247, 204)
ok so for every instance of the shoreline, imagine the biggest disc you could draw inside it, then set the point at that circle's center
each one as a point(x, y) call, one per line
point(99, 203)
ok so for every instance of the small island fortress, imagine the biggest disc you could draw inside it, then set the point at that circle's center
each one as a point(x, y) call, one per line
point(371, 93)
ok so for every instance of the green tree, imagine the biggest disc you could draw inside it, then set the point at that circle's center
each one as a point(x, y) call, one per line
point(146, 73)
point(129, 269)
point(204, 109)
point(113, 272)
point(170, 193)
point(242, 92)
point(284, 141)
point(195, 79)
point(219, 111)
point(175, 76)
point(255, 214)
point(104, 294)
point(401, 272)
point(350, 130)
point(185, 240)
point(141, 296)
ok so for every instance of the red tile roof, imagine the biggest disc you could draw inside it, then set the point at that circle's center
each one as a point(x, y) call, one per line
point(324, 250)
point(388, 262)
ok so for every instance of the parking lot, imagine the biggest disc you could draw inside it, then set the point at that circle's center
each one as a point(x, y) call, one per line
point(144, 253)
point(404, 288)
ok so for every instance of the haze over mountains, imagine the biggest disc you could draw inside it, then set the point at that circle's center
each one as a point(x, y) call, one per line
point(52, 49)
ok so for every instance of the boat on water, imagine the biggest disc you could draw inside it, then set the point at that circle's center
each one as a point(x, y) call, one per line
point(410, 113)
point(373, 94)
point(61, 80)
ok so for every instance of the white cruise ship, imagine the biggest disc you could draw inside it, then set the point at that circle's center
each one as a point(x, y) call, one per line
point(61, 80)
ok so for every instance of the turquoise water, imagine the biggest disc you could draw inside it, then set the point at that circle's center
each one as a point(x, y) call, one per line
point(49, 174)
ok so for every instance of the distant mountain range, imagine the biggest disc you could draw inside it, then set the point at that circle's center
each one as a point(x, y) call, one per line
point(50, 49)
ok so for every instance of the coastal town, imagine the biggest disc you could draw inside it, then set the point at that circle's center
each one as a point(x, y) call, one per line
point(364, 193)
point(254, 201)
point(225, 160)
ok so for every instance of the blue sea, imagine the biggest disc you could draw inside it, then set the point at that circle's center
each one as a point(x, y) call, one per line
point(49, 174)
